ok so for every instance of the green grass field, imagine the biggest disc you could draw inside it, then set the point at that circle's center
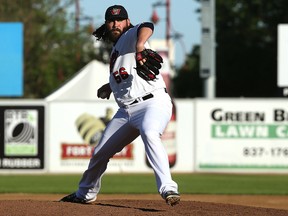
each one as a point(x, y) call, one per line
point(145, 184)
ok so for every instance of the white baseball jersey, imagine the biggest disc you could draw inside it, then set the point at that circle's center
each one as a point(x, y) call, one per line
point(125, 83)
point(147, 118)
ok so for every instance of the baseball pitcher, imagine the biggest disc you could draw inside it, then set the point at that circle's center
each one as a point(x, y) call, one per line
point(144, 106)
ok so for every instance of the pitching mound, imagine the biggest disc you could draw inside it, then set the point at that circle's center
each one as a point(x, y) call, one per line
point(15, 205)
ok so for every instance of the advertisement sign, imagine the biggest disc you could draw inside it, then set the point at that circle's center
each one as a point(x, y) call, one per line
point(11, 55)
point(250, 135)
point(75, 129)
point(22, 137)
point(282, 53)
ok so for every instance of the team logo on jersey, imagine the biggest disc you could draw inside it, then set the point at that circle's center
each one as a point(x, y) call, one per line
point(113, 59)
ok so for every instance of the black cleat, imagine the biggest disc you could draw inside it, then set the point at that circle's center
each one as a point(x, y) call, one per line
point(172, 198)
point(74, 199)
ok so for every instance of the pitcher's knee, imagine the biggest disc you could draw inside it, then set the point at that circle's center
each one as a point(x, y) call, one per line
point(151, 136)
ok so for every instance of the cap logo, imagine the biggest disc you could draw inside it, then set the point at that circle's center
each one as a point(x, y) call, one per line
point(115, 11)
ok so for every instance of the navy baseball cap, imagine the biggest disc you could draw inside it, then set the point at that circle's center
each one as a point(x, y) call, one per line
point(116, 12)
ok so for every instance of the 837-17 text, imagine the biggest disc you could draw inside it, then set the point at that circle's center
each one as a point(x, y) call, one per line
point(261, 151)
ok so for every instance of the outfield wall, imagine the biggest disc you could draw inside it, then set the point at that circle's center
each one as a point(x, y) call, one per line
point(220, 135)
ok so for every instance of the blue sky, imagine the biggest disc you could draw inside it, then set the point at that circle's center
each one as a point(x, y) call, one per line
point(184, 19)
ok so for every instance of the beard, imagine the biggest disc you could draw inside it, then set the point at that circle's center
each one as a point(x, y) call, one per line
point(114, 34)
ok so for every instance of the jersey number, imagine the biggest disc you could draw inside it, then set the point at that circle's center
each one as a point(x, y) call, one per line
point(120, 75)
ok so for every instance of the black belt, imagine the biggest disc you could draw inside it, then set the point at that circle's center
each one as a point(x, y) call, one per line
point(146, 97)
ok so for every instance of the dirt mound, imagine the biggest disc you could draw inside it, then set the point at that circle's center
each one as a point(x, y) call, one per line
point(16, 205)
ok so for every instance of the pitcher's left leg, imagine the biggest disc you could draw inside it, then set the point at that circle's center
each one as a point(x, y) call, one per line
point(155, 119)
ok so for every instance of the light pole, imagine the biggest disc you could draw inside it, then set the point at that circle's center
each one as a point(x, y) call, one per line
point(175, 35)
point(207, 54)
point(168, 25)
point(77, 15)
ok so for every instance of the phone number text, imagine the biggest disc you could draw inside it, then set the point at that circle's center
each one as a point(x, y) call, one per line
point(260, 151)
